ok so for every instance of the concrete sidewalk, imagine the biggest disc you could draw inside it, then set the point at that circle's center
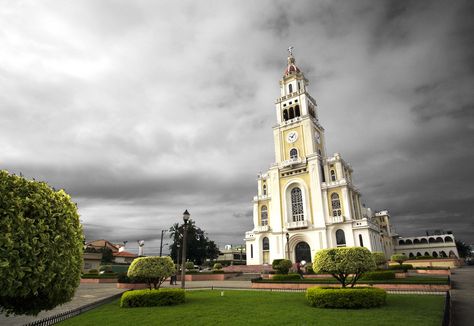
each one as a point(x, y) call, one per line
point(85, 294)
point(462, 296)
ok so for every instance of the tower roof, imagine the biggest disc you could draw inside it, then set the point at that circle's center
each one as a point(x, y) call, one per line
point(291, 68)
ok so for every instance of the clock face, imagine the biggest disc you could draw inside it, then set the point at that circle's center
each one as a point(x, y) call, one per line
point(292, 136)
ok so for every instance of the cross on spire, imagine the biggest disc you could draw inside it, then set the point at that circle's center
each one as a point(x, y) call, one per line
point(290, 50)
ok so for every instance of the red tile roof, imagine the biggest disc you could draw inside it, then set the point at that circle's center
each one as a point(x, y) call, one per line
point(124, 254)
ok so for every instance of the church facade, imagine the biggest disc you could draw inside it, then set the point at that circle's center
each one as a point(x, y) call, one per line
point(307, 200)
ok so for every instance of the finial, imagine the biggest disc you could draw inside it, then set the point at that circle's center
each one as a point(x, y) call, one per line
point(290, 50)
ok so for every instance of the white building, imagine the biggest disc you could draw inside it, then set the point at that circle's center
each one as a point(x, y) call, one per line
point(307, 201)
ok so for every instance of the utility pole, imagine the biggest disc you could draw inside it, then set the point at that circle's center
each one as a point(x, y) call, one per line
point(161, 241)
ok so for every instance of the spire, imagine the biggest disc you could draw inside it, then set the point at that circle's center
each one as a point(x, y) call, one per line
point(291, 68)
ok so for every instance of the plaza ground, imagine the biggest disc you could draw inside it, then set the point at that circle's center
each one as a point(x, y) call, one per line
point(462, 297)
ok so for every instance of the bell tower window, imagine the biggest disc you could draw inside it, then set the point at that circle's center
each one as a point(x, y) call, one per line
point(336, 205)
point(333, 175)
point(290, 88)
point(293, 154)
point(292, 113)
point(264, 215)
point(297, 111)
point(285, 115)
point(297, 205)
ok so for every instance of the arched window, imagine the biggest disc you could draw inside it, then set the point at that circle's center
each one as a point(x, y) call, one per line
point(264, 215)
point(297, 205)
point(293, 153)
point(264, 189)
point(418, 254)
point(423, 240)
point(408, 242)
point(336, 205)
point(285, 114)
point(361, 241)
point(435, 254)
point(443, 254)
point(401, 242)
point(333, 175)
point(290, 88)
point(292, 113)
point(411, 255)
point(265, 244)
point(448, 239)
point(299, 86)
point(297, 111)
point(439, 239)
point(427, 253)
point(416, 241)
point(432, 240)
point(251, 251)
point(340, 238)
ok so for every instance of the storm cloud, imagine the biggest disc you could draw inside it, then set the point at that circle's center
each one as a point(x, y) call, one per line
point(143, 109)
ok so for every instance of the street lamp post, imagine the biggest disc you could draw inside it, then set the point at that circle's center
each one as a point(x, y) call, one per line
point(288, 245)
point(183, 267)
point(161, 241)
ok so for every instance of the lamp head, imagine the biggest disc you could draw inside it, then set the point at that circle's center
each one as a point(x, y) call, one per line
point(186, 216)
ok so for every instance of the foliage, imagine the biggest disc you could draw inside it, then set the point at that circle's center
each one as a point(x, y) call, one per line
point(403, 267)
point(153, 270)
point(344, 264)
point(198, 246)
point(309, 270)
point(218, 271)
point(189, 265)
point(207, 307)
point(109, 275)
point(282, 266)
point(93, 271)
point(107, 255)
point(424, 257)
point(41, 245)
point(353, 298)
point(286, 277)
point(217, 266)
point(152, 298)
point(399, 258)
point(379, 258)
point(464, 249)
point(378, 275)
point(106, 268)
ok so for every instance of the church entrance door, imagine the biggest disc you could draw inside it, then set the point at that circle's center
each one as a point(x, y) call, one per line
point(303, 252)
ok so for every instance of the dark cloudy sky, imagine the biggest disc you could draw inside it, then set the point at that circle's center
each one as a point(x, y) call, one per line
point(142, 109)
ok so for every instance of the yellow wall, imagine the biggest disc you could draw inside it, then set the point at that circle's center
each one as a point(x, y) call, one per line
point(298, 144)
point(260, 204)
point(284, 182)
point(339, 192)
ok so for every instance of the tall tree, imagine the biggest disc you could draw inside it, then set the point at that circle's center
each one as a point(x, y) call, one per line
point(198, 246)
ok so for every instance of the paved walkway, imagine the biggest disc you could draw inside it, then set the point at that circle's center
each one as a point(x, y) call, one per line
point(462, 296)
point(85, 294)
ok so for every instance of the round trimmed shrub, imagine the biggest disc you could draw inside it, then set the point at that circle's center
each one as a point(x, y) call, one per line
point(379, 258)
point(189, 265)
point(41, 244)
point(346, 298)
point(282, 266)
point(399, 258)
point(217, 266)
point(403, 267)
point(152, 298)
point(153, 270)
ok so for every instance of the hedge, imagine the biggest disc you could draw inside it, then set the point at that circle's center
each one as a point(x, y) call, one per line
point(152, 298)
point(378, 275)
point(286, 277)
point(403, 267)
point(348, 298)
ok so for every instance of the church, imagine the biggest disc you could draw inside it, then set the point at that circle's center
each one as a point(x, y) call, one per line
point(307, 200)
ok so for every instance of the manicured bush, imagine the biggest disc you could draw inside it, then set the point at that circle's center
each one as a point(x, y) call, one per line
point(93, 271)
point(106, 268)
point(153, 270)
point(152, 298)
point(217, 266)
point(282, 266)
point(379, 258)
point(402, 267)
point(286, 277)
point(192, 271)
point(346, 298)
point(107, 275)
point(399, 258)
point(378, 275)
point(219, 271)
point(189, 265)
point(41, 245)
point(344, 264)
point(309, 270)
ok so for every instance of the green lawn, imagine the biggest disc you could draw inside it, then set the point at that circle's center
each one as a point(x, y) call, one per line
point(207, 307)
point(408, 280)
